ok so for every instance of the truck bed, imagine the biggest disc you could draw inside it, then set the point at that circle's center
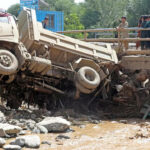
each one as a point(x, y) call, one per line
point(63, 49)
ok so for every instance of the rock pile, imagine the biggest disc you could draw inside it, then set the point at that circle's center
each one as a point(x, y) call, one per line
point(18, 128)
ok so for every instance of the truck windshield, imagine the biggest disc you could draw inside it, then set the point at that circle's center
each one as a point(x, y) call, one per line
point(4, 19)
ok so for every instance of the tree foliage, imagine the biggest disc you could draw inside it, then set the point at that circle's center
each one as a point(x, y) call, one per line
point(103, 13)
point(14, 9)
point(72, 22)
point(135, 9)
point(95, 13)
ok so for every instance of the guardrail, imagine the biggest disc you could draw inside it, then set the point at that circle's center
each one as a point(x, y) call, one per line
point(109, 40)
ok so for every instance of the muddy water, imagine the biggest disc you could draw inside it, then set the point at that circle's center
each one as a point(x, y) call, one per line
point(103, 136)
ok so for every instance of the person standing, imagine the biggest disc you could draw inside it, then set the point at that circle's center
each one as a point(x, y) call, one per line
point(45, 22)
point(144, 33)
point(124, 34)
point(147, 25)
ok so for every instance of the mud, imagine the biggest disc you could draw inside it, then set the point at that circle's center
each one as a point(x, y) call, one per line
point(130, 135)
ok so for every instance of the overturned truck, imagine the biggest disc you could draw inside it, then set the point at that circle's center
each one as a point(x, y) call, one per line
point(35, 59)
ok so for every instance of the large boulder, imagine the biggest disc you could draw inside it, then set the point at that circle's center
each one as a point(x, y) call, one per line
point(10, 129)
point(55, 124)
point(29, 141)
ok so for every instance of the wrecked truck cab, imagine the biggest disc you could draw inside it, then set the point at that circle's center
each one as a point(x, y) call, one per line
point(66, 58)
point(8, 28)
point(9, 38)
point(11, 52)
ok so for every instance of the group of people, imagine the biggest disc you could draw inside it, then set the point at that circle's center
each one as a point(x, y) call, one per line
point(144, 22)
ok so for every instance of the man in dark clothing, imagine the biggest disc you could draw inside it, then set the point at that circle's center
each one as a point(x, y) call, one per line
point(45, 22)
point(147, 25)
point(144, 33)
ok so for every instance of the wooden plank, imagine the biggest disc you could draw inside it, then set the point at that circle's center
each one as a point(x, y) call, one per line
point(105, 29)
point(137, 52)
point(117, 39)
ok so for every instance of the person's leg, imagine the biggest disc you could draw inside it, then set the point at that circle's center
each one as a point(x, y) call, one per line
point(142, 45)
point(137, 44)
point(148, 45)
point(148, 42)
point(126, 45)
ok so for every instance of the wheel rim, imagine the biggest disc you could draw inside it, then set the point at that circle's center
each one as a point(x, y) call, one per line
point(5, 60)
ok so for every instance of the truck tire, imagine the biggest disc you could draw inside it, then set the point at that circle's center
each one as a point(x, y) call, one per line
point(83, 89)
point(88, 77)
point(8, 62)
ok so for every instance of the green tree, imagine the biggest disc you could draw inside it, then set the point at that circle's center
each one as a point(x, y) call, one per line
point(72, 22)
point(136, 8)
point(103, 13)
point(14, 9)
point(60, 5)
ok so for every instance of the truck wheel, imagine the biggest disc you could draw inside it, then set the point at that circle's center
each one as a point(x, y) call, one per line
point(83, 89)
point(8, 62)
point(88, 77)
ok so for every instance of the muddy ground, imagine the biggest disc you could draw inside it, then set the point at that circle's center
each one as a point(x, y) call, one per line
point(88, 131)
point(104, 136)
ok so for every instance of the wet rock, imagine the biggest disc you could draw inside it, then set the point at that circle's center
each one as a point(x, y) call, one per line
point(55, 124)
point(10, 129)
point(42, 129)
point(95, 121)
point(60, 137)
point(30, 141)
point(70, 130)
point(2, 133)
point(14, 122)
point(33, 116)
point(2, 117)
point(22, 133)
point(82, 126)
point(96, 127)
point(12, 147)
point(123, 121)
point(2, 142)
point(114, 122)
point(36, 130)
point(46, 142)
point(30, 124)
